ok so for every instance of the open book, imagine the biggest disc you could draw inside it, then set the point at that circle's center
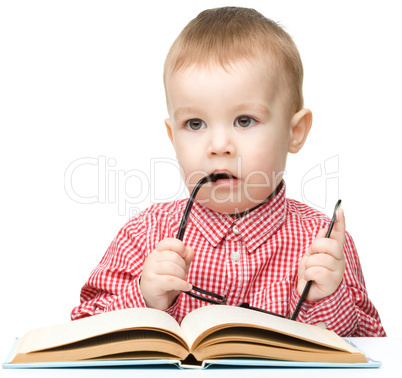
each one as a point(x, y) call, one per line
point(208, 333)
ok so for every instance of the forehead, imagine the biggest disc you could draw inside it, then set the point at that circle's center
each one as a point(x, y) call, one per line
point(240, 80)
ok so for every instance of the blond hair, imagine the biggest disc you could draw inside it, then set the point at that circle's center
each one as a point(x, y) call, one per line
point(230, 34)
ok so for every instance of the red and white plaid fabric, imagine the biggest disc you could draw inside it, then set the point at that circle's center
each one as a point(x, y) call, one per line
point(251, 259)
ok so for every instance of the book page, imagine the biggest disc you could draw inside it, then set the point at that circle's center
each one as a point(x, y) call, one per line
point(263, 337)
point(239, 350)
point(136, 343)
point(66, 333)
point(207, 319)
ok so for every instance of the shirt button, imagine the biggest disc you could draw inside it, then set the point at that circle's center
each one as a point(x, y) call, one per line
point(235, 256)
point(235, 230)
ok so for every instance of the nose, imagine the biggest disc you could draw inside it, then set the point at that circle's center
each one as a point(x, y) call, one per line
point(220, 143)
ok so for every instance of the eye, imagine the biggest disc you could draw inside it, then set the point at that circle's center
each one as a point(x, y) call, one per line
point(244, 121)
point(195, 124)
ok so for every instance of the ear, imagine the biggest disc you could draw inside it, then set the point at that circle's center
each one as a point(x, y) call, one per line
point(300, 127)
point(169, 129)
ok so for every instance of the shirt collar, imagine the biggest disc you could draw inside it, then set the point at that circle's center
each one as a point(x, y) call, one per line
point(255, 227)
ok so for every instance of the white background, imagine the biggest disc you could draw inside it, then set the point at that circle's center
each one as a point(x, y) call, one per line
point(81, 82)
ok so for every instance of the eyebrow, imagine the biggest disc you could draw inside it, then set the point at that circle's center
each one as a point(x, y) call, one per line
point(186, 110)
point(253, 107)
point(246, 107)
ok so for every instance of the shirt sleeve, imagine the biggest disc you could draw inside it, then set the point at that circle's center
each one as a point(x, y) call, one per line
point(348, 311)
point(114, 283)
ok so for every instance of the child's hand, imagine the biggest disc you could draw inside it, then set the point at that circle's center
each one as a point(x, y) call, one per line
point(324, 262)
point(164, 273)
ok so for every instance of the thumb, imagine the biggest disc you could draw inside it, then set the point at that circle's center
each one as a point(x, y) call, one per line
point(338, 232)
point(189, 256)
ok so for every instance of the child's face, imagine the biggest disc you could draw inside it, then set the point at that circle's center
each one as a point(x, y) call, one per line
point(234, 121)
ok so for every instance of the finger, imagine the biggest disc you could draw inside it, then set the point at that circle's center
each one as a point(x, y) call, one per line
point(171, 244)
point(189, 256)
point(326, 246)
point(321, 234)
point(171, 269)
point(317, 274)
point(338, 232)
point(164, 257)
point(174, 283)
point(322, 260)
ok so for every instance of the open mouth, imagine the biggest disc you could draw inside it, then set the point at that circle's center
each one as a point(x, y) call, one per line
point(219, 176)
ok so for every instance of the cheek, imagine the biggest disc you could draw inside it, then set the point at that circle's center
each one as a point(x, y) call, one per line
point(266, 160)
point(182, 149)
point(190, 161)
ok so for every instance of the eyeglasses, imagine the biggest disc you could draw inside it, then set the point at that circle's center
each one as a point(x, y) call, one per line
point(213, 298)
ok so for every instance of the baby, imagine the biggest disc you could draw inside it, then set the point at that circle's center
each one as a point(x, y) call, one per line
point(233, 82)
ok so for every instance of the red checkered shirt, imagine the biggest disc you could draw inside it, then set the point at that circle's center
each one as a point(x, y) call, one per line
point(251, 259)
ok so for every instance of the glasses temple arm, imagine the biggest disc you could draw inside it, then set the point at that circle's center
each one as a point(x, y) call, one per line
point(210, 178)
point(309, 283)
point(187, 210)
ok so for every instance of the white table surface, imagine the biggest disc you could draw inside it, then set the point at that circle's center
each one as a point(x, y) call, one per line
point(387, 350)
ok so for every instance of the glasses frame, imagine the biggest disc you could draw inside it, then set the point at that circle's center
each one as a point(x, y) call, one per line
point(219, 299)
